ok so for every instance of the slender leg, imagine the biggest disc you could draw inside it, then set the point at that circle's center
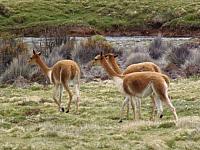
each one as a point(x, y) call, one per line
point(153, 98)
point(70, 96)
point(161, 90)
point(55, 93)
point(60, 97)
point(127, 112)
point(172, 108)
point(138, 105)
point(133, 104)
point(126, 101)
point(77, 90)
point(159, 108)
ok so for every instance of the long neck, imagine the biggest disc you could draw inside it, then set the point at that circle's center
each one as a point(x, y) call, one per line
point(115, 65)
point(108, 69)
point(43, 66)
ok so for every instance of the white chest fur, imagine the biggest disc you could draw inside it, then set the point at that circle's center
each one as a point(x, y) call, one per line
point(119, 84)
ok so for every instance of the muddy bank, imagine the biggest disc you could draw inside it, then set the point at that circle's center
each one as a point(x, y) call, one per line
point(115, 31)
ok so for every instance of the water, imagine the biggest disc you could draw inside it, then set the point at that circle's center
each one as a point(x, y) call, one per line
point(121, 41)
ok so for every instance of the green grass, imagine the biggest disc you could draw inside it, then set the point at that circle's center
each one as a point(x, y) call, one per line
point(101, 15)
point(29, 120)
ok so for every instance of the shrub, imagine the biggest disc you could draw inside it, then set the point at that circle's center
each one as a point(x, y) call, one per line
point(53, 57)
point(4, 11)
point(138, 58)
point(66, 49)
point(18, 67)
point(193, 58)
point(87, 49)
point(157, 48)
point(179, 55)
point(192, 64)
point(10, 47)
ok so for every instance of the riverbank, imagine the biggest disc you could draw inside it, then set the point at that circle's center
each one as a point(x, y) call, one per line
point(88, 31)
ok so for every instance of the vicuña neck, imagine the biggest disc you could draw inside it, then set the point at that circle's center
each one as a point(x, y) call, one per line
point(115, 65)
point(43, 66)
point(108, 68)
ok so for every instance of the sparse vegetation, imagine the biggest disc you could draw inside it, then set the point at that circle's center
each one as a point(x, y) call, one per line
point(10, 47)
point(179, 55)
point(157, 48)
point(18, 67)
point(89, 48)
point(29, 120)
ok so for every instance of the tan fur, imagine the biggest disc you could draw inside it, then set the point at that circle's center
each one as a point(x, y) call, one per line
point(140, 67)
point(60, 74)
point(135, 84)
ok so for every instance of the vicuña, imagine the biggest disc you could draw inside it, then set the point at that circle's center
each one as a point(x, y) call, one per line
point(140, 67)
point(60, 74)
point(140, 84)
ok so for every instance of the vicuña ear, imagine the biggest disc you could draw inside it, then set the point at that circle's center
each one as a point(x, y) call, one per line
point(101, 55)
point(34, 52)
point(115, 55)
point(39, 53)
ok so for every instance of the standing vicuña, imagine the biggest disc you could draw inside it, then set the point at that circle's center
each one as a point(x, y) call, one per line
point(140, 84)
point(140, 67)
point(60, 74)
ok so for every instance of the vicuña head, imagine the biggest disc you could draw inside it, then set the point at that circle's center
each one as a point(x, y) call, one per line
point(60, 74)
point(34, 57)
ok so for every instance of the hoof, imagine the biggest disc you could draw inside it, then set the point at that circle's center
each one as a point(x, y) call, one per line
point(62, 109)
point(120, 121)
point(161, 116)
point(67, 111)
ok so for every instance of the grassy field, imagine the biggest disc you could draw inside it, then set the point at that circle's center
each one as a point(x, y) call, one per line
point(29, 120)
point(101, 15)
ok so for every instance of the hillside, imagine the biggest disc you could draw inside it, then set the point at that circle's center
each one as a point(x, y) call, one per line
point(29, 120)
point(108, 17)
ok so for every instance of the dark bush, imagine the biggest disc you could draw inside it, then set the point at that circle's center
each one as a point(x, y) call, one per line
point(4, 11)
point(157, 48)
point(179, 55)
point(10, 47)
point(18, 67)
point(87, 49)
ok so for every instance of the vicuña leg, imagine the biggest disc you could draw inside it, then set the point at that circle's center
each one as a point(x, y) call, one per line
point(125, 102)
point(60, 97)
point(77, 91)
point(159, 108)
point(172, 108)
point(55, 93)
point(127, 112)
point(161, 91)
point(153, 99)
point(70, 96)
point(133, 105)
point(138, 105)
